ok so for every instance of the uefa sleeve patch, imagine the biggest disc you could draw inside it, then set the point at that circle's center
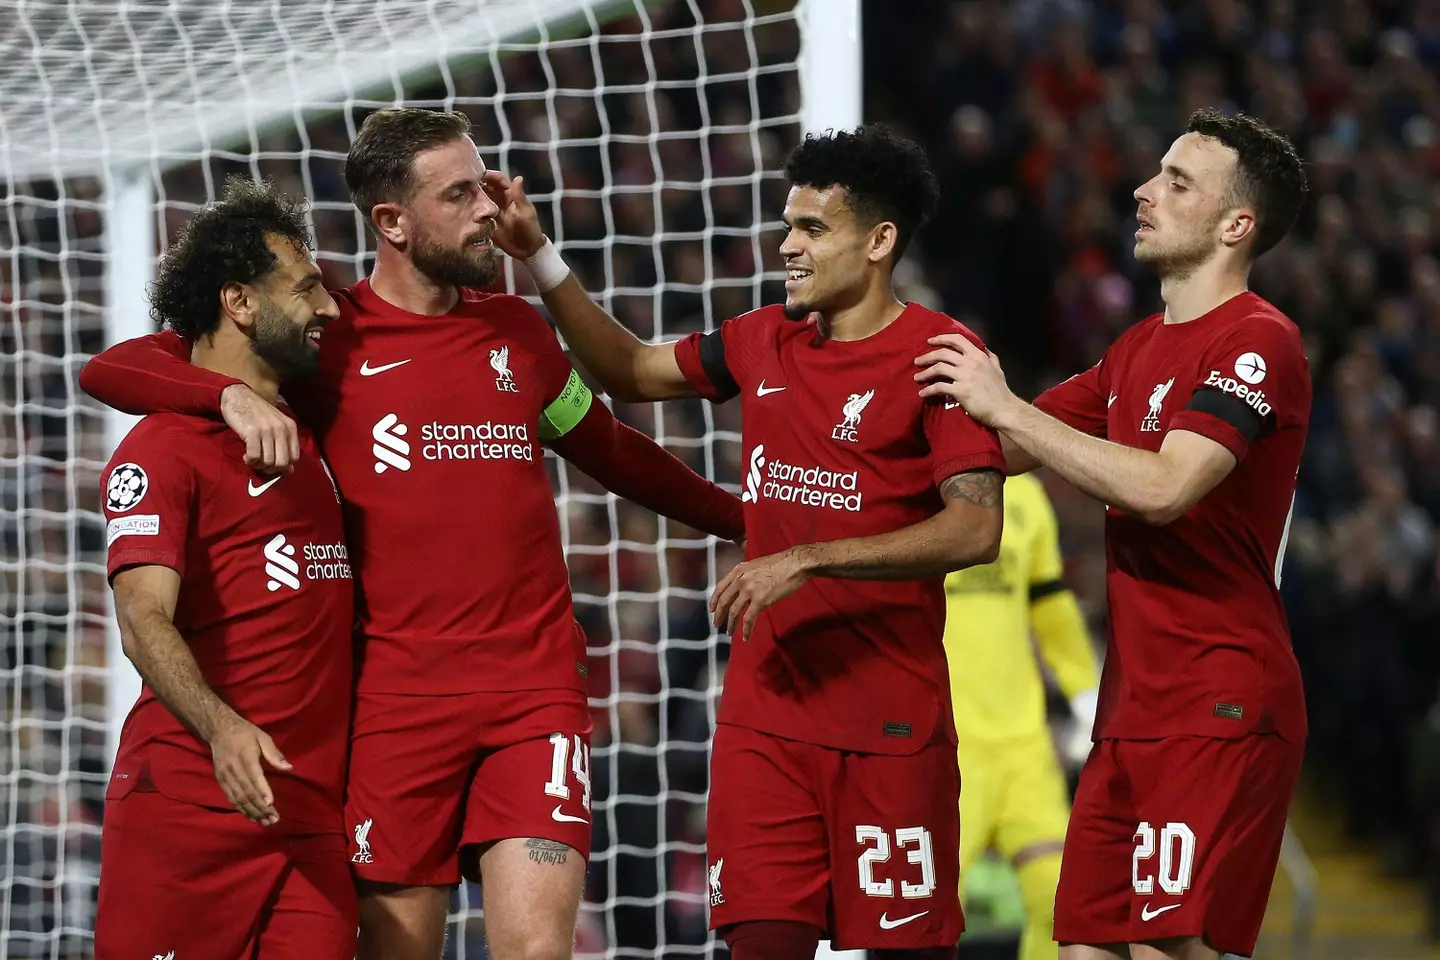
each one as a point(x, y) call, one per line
point(126, 488)
point(138, 525)
point(566, 410)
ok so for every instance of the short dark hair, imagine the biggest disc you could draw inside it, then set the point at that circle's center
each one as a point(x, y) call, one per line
point(885, 176)
point(381, 165)
point(1269, 176)
point(225, 241)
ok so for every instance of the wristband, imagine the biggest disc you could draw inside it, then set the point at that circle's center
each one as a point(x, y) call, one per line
point(547, 268)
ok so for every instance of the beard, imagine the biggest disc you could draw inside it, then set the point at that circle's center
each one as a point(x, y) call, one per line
point(282, 343)
point(455, 267)
point(1180, 256)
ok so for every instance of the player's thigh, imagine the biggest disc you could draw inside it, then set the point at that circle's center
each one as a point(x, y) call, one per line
point(767, 850)
point(411, 763)
point(532, 890)
point(164, 863)
point(981, 779)
point(1211, 819)
point(535, 789)
point(314, 914)
point(401, 922)
point(1035, 804)
point(1092, 900)
point(894, 830)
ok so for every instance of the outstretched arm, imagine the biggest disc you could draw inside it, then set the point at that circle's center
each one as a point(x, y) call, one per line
point(628, 368)
point(153, 374)
point(635, 467)
point(965, 533)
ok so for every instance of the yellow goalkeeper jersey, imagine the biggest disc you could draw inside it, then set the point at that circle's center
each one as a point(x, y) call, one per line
point(995, 679)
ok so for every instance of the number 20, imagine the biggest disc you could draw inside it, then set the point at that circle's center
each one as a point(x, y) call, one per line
point(923, 854)
point(1174, 873)
point(556, 786)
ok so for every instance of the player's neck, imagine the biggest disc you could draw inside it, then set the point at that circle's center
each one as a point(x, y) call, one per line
point(866, 317)
point(232, 356)
point(1191, 295)
point(396, 281)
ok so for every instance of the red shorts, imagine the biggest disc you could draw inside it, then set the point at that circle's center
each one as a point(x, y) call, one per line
point(863, 846)
point(1176, 838)
point(434, 777)
point(179, 880)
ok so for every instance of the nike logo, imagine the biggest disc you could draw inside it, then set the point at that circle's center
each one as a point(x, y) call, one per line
point(1147, 914)
point(368, 371)
point(256, 491)
point(887, 924)
point(764, 391)
point(559, 817)
point(1111, 401)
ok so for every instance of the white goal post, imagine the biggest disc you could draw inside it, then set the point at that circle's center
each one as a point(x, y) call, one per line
point(117, 117)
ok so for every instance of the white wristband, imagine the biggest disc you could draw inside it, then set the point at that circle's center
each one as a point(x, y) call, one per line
point(547, 268)
point(1083, 705)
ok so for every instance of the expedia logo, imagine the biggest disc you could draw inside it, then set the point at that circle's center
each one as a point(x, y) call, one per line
point(1253, 398)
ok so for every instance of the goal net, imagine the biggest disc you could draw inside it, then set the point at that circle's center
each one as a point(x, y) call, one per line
point(650, 134)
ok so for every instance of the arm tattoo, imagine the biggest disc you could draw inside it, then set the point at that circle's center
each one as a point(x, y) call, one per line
point(980, 487)
point(546, 851)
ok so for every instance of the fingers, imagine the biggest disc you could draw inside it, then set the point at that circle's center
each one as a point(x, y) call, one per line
point(272, 753)
point(722, 587)
point(938, 371)
point(292, 434)
point(946, 390)
point(257, 787)
point(267, 450)
point(244, 784)
point(956, 342)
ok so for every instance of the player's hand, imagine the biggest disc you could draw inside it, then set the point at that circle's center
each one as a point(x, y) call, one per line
point(272, 442)
point(517, 225)
point(238, 749)
point(751, 587)
point(969, 375)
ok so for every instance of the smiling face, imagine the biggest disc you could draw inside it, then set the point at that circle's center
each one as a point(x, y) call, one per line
point(447, 223)
point(1187, 210)
point(829, 253)
point(292, 309)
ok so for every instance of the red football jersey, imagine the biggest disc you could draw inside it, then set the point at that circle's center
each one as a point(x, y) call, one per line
point(266, 605)
point(418, 415)
point(1199, 643)
point(839, 444)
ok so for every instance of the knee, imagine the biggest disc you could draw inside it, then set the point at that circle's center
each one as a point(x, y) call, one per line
point(536, 946)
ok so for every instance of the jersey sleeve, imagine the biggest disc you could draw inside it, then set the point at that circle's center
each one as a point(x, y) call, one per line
point(150, 494)
point(1251, 381)
point(958, 442)
point(153, 374)
point(717, 363)
point(1083, 401)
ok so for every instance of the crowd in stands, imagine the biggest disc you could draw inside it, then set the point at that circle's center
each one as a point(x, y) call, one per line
point(1041, 117)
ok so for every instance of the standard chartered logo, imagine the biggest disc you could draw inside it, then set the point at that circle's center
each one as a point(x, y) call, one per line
point(487, 440)
point(323, 561)
point(806, 486)
point(390, 449)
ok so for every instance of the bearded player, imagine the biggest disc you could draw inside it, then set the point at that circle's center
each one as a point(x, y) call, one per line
point(834, 787)
point(227, 793)
point(1190, 429)
point(1014, 797)
point(470, 751)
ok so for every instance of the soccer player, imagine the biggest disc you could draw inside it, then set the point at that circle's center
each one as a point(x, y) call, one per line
point(834, 788)
point(1190, 429)
point(470, 751)
point(1014, 796)
point(224, 834)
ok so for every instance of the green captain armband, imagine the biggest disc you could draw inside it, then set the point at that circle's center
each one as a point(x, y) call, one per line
point(566, 410)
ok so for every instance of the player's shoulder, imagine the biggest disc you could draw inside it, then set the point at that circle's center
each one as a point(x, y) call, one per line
point(173, 436)
point(923, 323)
point(1251, 315)
point(767, 318)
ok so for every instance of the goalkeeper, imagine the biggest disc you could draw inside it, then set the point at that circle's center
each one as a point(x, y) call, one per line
point(1013, 795)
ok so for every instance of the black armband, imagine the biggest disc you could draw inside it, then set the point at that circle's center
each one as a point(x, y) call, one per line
point(1229, 408)
point(712, 359)
point(1039, 591)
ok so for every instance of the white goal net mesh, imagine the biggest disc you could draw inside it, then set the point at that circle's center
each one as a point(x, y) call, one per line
point(650, 135)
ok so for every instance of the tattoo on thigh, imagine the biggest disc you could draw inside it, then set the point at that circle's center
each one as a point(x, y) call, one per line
point(547, 851)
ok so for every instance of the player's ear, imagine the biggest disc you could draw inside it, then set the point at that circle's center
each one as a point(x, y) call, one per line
point(1236, 226)
point(883, 237)
point(388, 219)
point(237, 304)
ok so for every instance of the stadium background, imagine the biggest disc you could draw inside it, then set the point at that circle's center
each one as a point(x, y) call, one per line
point(1040, 116)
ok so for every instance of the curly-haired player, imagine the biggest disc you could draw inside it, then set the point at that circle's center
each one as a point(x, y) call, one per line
point(834, 788)
point(226, 800)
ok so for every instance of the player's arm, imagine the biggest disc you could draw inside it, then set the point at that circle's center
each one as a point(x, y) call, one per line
point(1157, 486)
point(627, 367)
point(1059, 626)
point(965, 533)
point(145, 598)
point(632, 465)
point(153, 374)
